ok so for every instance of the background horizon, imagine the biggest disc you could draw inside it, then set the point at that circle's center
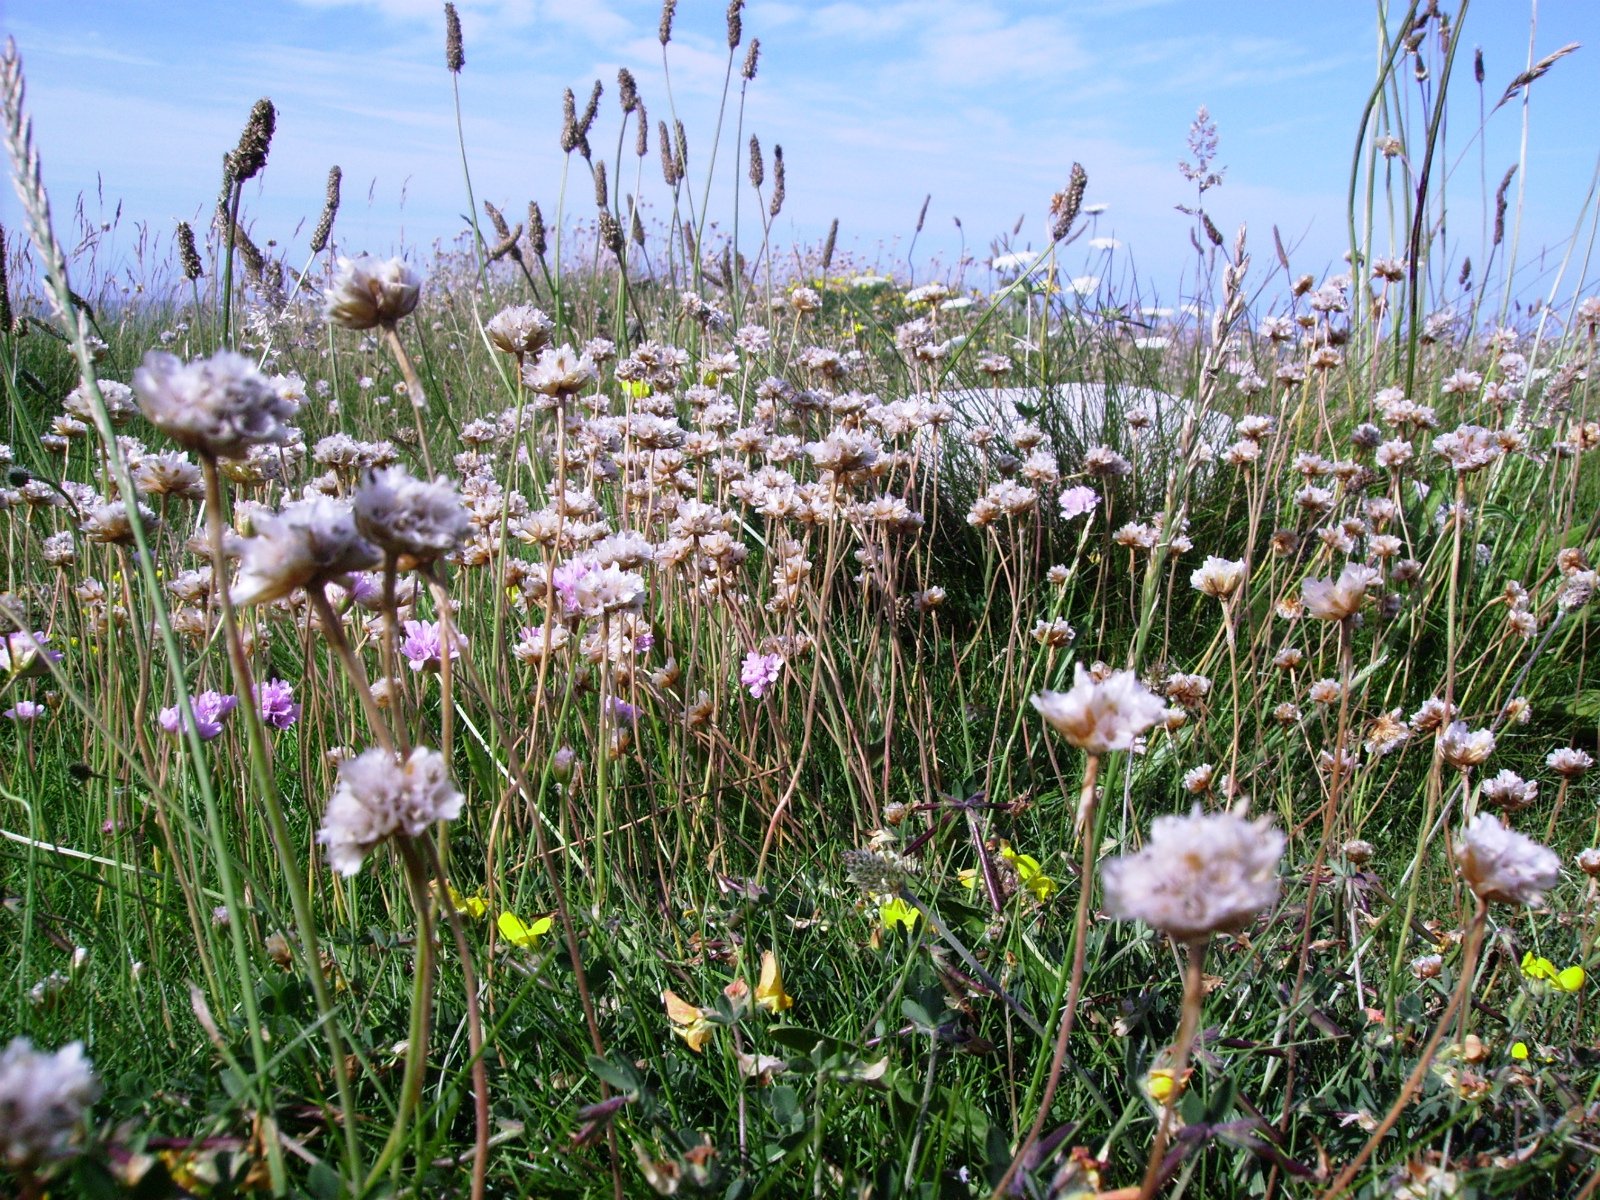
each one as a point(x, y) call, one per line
point(983, 107)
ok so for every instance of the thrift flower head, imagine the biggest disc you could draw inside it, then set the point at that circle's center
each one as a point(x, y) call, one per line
point(43, 1097)
point(410, 518)
point(760, 672)
point(219, 406)
point(379, 796)
point(1337, 599)
point(309, 543)
point(1197, 875)
point(368, 292)
point(424, 645)
point(275, 699)
point(1078, 501)
point(1462, 747)
point(1501, 864)
point(1101, 715)
point(23, 653)
point(210, 710)
point(26, 710)
point(1218, 577)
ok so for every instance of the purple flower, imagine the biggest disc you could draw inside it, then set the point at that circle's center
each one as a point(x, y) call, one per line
point(1076, 501)
point(26, 710)
point(209, 710)
point(423, 646)
point(275, 699)
point(24, 653)
point(621, 711)
point(760, 672)
point(565, 581)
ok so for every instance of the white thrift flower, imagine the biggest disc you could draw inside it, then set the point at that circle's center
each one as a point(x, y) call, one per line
point(1462, 747)
point(1197, 875)
point(1101, 715)
point(1501, 864)
point(1218, 577)
point(309, 543)
point(521, 329)
point(219, 406)
point(1337, 599)
point(368, 292)
point(378, 796)
point(409, 517)
point(43, 1097)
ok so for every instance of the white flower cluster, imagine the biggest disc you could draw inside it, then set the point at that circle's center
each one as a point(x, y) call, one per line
point(406, 516)
point(309, 543)
point(367, 292)
point(1197, 875)
point(378, 796)
point(43, 1097)
point(1502, 864)
point(219, 406)
point(1100, 715)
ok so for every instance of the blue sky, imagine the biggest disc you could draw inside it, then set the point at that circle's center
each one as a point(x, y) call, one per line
point(877, 103)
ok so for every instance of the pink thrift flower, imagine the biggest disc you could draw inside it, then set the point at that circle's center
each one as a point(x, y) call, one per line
point(760, 672)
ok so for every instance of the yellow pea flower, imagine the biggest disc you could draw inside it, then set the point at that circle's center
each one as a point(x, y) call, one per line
point(1519, 1051)
point(526, 936)
point(468, 906)
point(1164, 1084)
point(1029, 873)
point(688, 1021)
point(769, 988)
point(893, 911)
point(1539, 969)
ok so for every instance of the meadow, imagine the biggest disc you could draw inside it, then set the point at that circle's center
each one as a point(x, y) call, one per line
point(614, 706)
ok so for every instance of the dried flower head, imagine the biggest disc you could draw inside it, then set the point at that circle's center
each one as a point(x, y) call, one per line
point(1218, 577)
point(1200, 874)
point(1101, 715)
point(379, 796)
point(455, 56)
point(219, 406)
point(1341, 598)
point(1501, 864)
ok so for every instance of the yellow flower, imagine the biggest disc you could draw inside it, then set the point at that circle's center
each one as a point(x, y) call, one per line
point(467, 906)
point(637, 388)
point(1164, 1084)
point(1519, 1051)
point(1029, 873)
point(688, 1022)
point(894, 911)
point(519, 934)
point(769, 988)
point(1538, 969)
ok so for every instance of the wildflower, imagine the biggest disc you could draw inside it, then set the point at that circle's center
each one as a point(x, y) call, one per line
point(1463, 748)
point(43, 1097)
point(521, 934)
point(1358, 852)
point(367, 292)
point(520, 329)
point(1338, 599)
point(760, 672)
point(1501, 864)
point(210, 710)
point(219, 406)
point(1029, 873)
point(1198, 875)
point(25, 711)
point(1163, 1083)
point(894, 912)
point(1509, 791)
point(1589, 862)
point(275, 699)
point(1568, 762)
point(424, 645)
point(1542, 970)
point(379, 796)
point(1100, 715)
point(769, 988)
point(688, 1021)
point(410, 518)
point(1427, 966)
point(309, 543)
point(1218, 577)
point(560, 372)
point(466, 906)
point(1078, 502)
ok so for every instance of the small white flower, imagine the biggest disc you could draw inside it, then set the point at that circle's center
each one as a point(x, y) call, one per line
point(378, 796)
point(1101, 715)
point(310, 542)
point(1200, 874)
point(1501, 864)
point(43, 1097)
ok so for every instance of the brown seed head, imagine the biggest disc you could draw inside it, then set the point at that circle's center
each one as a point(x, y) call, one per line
point(758, 169)
point(777, 181)
point(188, 255)
point(748, 71)
point(664, 31)
point(627, 90)
point(536, 235)
point(330, 208)
point(1064, 206)
point(454, 56)
point(735, 24)
point(250, 155)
